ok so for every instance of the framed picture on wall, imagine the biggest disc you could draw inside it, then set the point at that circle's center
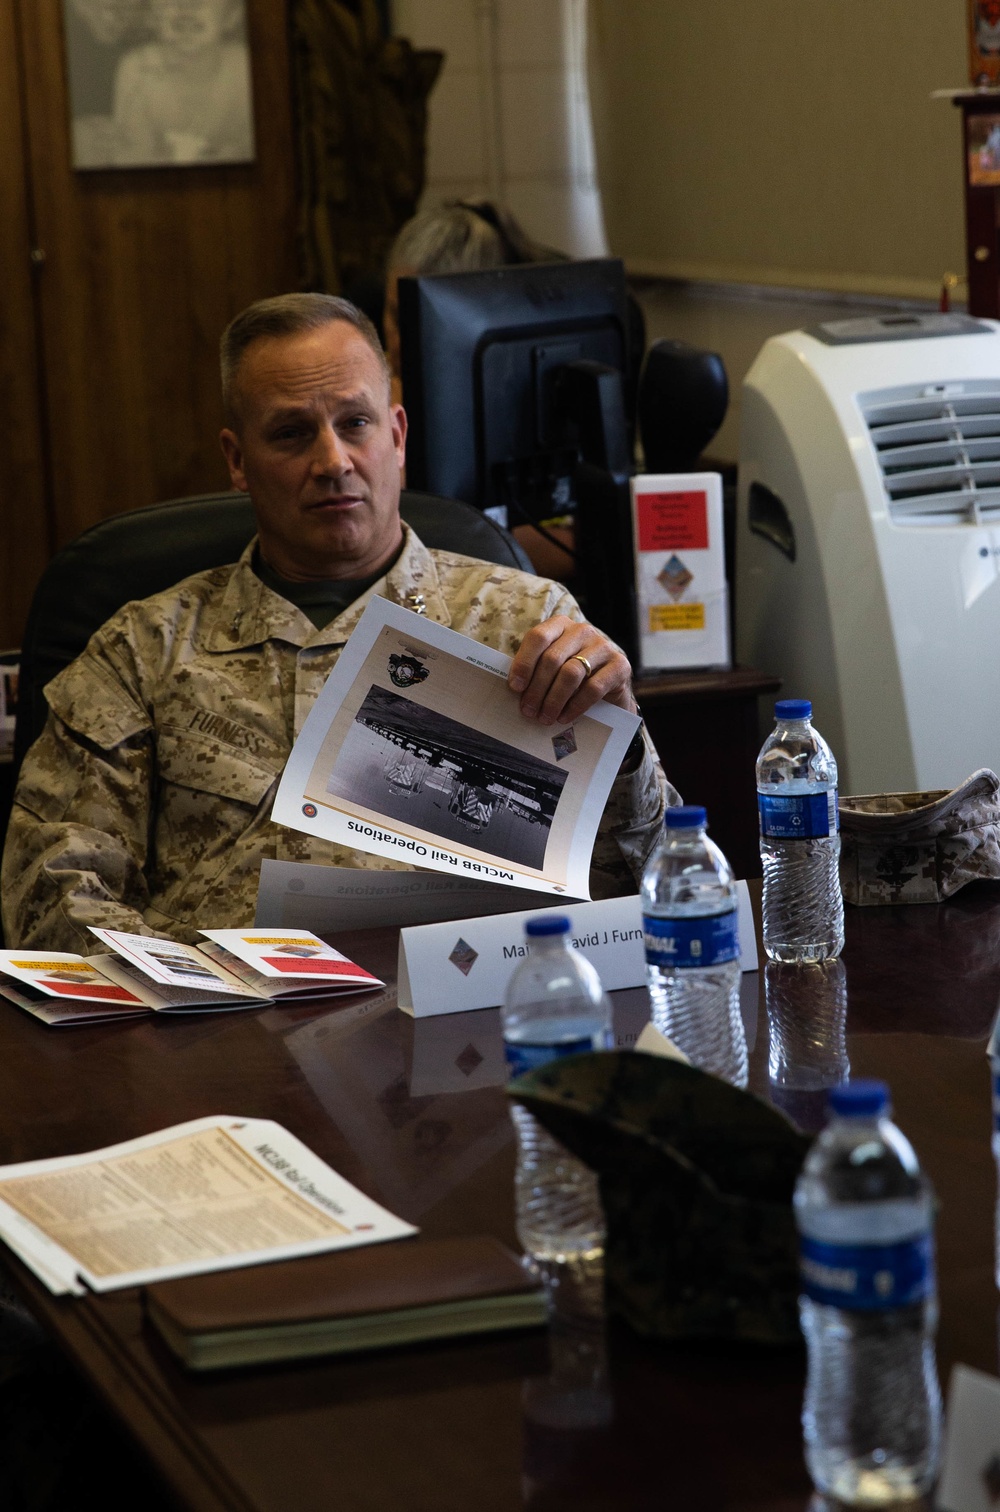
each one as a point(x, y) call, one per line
point(156, 83)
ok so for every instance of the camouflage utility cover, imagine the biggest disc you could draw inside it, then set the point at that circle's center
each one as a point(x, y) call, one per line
point(696, 1180)
point(920, 847)
point(145, 805)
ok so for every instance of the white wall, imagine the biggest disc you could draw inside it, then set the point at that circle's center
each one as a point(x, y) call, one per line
point(509, 116)
point(788, 142)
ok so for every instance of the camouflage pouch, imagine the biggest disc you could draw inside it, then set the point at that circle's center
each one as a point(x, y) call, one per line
point(920, 847)
point(696, 1180)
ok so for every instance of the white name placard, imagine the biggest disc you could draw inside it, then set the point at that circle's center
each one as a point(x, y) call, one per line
point(970, 1479)
point(465, 964)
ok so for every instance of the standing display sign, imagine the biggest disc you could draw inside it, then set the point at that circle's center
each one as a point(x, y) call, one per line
point(680, 572)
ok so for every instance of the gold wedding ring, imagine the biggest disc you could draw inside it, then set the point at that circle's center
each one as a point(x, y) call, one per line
point(583, 659)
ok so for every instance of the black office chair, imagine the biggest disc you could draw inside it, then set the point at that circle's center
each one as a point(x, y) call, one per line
point(143, 551)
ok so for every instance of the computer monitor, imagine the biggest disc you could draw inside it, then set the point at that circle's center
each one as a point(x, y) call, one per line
point(513, 386)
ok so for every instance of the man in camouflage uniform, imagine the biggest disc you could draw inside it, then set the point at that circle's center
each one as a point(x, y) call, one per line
point(145, 805)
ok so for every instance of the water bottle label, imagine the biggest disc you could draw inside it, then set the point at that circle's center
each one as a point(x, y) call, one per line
point(522, 1056)
point(867, 1277)
point(707, 941)
point(798, 816)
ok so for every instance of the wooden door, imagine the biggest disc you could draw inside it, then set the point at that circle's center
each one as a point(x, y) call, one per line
point(25, 522)
point(137, 273)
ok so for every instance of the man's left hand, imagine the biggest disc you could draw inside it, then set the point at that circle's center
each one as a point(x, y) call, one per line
point(564, 667)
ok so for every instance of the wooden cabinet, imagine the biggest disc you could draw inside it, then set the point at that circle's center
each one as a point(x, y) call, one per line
point(116, 287)
point(705, 727)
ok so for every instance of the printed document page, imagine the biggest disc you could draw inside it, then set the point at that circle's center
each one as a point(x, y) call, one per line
point(335, 898)
point(417, 750)
point(203, 1196)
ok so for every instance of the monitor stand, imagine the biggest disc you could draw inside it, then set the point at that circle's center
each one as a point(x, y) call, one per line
point(591, 397)
point(585, 463)
point(605, 563)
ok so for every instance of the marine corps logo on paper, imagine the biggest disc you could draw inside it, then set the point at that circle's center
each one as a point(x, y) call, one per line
point(564, 744)
point(405, 670)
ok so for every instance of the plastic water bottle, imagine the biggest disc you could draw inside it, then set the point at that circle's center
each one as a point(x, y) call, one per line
point(799, 839)
point(554, 1006)
point(689, 920)
point(872, 1413)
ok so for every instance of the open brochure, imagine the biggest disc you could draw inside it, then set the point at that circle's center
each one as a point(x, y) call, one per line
point(417, 749)
point(202, 1196)
point(236, 968)
point(286, 963)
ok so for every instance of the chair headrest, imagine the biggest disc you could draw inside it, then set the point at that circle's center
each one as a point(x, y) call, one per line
point(143, 551)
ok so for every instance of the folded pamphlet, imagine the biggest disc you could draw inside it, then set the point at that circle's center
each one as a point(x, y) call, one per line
point(61, 988)
point(286, 963)
point(236, 968)
point(209, 1195)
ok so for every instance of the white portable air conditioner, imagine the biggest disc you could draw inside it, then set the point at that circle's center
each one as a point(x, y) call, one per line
point(868, 546)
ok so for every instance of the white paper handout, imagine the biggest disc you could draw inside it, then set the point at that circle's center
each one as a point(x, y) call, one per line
point(416, 749)
point(653, 1041)
point(335, 898)
point(207, 1195)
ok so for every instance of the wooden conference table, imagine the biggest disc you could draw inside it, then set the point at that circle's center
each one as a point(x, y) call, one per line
point(415, 1115)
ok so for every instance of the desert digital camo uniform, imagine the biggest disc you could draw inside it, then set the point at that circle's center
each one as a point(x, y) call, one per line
point(920, 847)
point(145, 805)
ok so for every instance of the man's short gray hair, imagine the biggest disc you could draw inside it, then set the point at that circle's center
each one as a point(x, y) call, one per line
point(286, 315)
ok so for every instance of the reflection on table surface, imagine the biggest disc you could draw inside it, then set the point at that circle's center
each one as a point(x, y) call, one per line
point(587, 1415)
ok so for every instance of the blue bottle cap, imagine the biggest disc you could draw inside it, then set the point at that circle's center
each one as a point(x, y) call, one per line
point(547, 924)
point(859, 1099)
point(793, 708)
point(685, 816)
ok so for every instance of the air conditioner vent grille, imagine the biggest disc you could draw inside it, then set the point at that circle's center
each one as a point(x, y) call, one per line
point(938, 448)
